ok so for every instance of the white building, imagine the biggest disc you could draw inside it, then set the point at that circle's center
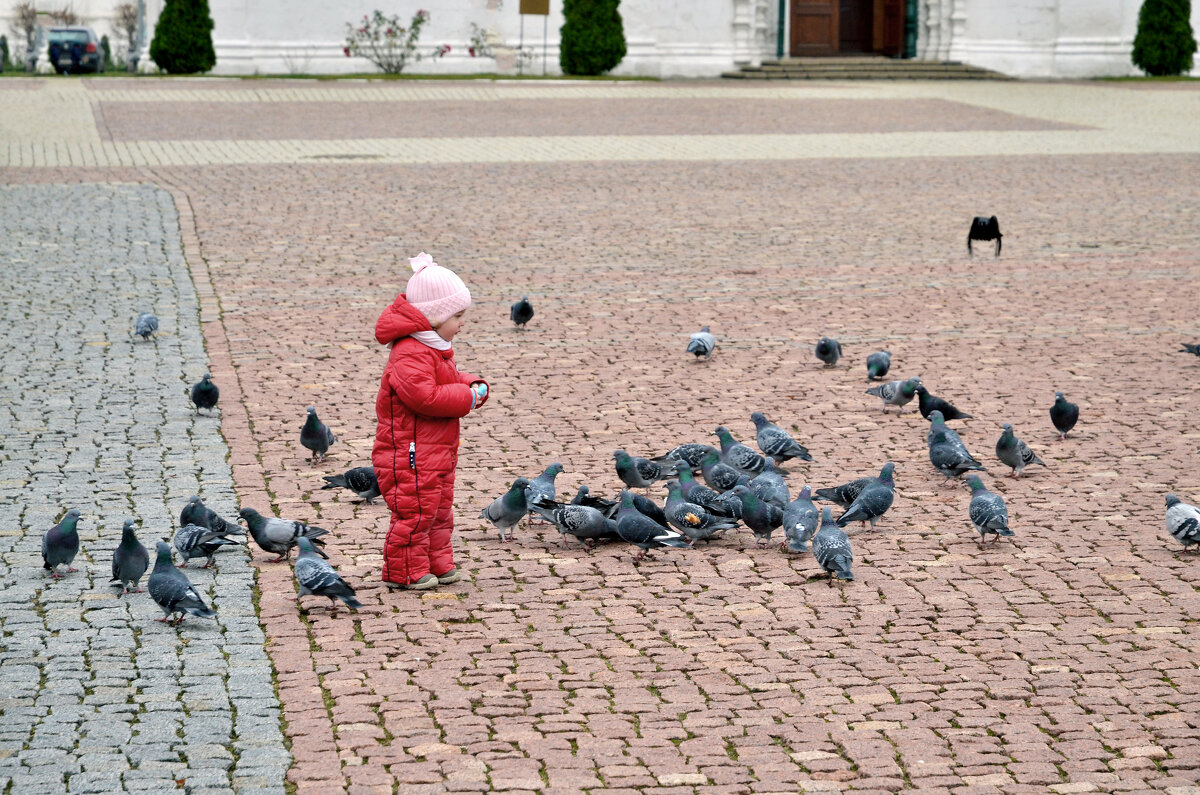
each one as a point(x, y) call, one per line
point(672, 38)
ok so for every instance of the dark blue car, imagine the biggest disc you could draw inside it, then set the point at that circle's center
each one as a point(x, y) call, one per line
point(74, 50)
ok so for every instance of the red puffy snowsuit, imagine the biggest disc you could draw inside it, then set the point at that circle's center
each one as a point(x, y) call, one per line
point(421, 397)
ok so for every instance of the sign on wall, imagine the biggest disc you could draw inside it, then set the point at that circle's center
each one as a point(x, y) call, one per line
point(538, 7)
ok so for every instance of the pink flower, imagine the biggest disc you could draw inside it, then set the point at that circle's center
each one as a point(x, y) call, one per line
point(471, 51)
point(389, 32)
point(347, 51)
point(422, 14)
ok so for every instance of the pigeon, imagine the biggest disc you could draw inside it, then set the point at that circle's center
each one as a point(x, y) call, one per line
point(60, 544)
point(649, 508)
point(831, 548)
point(521, 312)
point(130, 560)
point(584, 522)
point(770, 487)
point(718, 476)
point(929, 402)
point(878, 364)
point(315, 435)
point(845, 494)
point(1189, 348)
point(761, 517)
point(543, 484)
point(775, 441)
point(194, 541)
point(360, 480)
point(1183, 522)
point(146, 325)
point(691, 452)
point(196, 512)
point(737, 455)
point(947, 452)
point(829, 351)
point(709, 500)
point(702, 343)
point(584, 497)
point(279, 535)
point(636, 528)
point(173, 591)
point(896, 393)
point(873, 501)
point(983, 228)
point(987, 510)
point(204, 394)
point(692, 519)
point(729, 502)
point(639, 473)
point(799, 522)
point(510, 507)
point(1015, 453)
point(1064, 414)
point(316, 577)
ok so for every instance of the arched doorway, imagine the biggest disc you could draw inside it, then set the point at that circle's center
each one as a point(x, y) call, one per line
point(846, 27)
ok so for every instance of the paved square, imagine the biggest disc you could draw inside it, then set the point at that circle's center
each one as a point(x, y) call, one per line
point(632, 214)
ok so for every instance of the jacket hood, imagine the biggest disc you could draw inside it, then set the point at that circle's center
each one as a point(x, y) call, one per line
point(399, 320)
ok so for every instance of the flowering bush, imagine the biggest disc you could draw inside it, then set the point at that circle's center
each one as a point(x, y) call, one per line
point(485, 43)
point(386, 43)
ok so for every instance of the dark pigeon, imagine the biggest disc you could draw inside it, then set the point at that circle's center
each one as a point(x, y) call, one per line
point(691, 452)
point(878, 364)
point(896, 393)
point(605, 506)
point(929, 402)
point(584, 522)
point(639, 473)
point(360, 480)
point(196, 512)
point(510, 507)
point(636, 528)
point(146, 325)
point(1189, 348)
point(770, 486)
point(845, 494)
point(278, 536)
point(194, 541)
point(173, 591)
point(1183, 522)
point(947, 453)
point(829, 351)
point(988, 513)
point(130, 560)
point(873, 501)
point(692, 519)
point(1064, 414)
point(775, 441)
point(60, 544)
point(761, 517)
point(719, 477)
point(521, 312)
point(800, 519)
point(737, 455)
point(1014, 453)
point(315, 435)
point(831, 548)
point(985, 229)
point(702, 344)
point(318, 578)
point(650, 509)
point(204, 394)
point(694, 491)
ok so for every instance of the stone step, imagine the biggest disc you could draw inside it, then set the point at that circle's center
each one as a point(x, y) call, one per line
point(861, 68)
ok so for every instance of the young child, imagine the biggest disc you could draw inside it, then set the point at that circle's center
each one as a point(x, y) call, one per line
point(421, 397)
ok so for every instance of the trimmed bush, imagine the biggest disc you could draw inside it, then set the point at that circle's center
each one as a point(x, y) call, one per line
point(592, 36)
point(1164, 44)
point(182, 41)
point(3, 53)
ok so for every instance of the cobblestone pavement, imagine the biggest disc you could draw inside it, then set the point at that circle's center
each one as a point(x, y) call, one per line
point(96, 696)
point(1063, 662)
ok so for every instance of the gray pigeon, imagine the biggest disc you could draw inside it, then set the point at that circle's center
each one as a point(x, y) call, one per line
point(770, 486)
point(896, 393)
point(194, 541)
point(204, 394)
point(988, 513)
point(737, 455)
point(691, 453)
point(639, 473)
point(775, 441)
point(543, 484)
point(719, 476)
point(845, 494)
point(1183, 522)
point(729, 502)
point(278, 536)
point(196, 512)
point(702, 343)
point(947, 453)
point(360, 480)
point(130, 560)
point(315, 435)
point(1015, 453)
point(173, 591)
point(641, 531)
point(584, 522)
point(60, 544)
point(693, 491)
point(873, 501)
point(521, 312)
point(831, 548)
point(800, 519)
point(878, 364)
point(829, 351)
point(509, 508)
point(146, 325)
point(761, 517)
point(318, 578)
point(692, 519)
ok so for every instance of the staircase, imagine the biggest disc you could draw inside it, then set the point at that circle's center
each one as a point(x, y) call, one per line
point(862, 67)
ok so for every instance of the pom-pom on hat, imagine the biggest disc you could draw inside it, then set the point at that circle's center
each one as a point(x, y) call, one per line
point(436, 291)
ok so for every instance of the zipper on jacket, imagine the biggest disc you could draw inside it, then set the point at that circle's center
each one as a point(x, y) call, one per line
point(412, 456)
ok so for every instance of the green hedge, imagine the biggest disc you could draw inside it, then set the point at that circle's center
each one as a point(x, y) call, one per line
point(592, 36)
point(182, 41)
point(1164, 44)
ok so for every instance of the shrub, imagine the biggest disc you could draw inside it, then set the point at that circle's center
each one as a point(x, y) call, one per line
point(125, 23)
point(107, 52)
point(1164, 44)
point(182, 41)
point(3, 53)
point(593, 39)
point(386, 43)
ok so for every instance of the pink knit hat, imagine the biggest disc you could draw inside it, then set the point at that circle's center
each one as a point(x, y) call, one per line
point(436, 291)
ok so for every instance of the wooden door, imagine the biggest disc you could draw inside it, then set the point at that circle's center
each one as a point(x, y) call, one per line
point(814, 27)
point(888, 36)
point(854, 25)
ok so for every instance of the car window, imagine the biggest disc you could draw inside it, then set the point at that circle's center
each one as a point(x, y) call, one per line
point(71, 36)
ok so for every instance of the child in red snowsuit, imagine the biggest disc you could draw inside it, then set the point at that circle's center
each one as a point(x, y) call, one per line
point(421, 397)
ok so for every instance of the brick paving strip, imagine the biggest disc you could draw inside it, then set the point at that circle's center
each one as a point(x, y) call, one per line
point(96, 696)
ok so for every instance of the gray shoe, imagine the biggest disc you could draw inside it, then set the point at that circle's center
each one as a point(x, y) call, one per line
point(454, 575)
point(423, 584)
